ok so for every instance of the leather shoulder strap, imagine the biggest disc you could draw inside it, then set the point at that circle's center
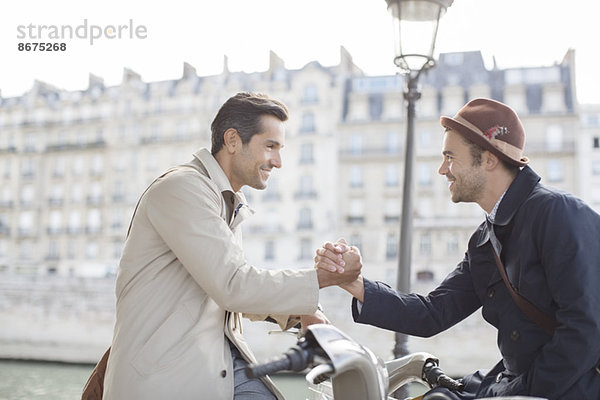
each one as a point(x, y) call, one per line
point(535, 314)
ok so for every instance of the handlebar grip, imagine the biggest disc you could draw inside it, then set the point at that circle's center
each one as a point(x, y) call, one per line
point(257, 371)
point(436, 377)
point(447, 382)
point(296, 358)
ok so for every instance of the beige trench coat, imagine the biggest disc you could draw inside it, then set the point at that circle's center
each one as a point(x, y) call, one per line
point(181, 284)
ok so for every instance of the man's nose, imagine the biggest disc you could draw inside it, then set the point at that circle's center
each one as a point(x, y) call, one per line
point(276, 160)
point(443, 169)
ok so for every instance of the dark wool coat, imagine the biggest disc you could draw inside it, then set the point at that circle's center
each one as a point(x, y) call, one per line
point(551, 250)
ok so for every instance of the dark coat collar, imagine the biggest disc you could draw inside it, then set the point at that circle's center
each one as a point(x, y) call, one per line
point(517, 193)
point(515, 196)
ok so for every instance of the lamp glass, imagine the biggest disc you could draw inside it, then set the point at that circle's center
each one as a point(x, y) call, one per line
point(415, 30)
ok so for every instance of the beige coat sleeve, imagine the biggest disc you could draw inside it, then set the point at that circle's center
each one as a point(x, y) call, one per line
point(186, 212)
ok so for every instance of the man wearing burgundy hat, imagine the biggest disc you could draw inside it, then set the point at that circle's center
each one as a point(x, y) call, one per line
point(533, 267)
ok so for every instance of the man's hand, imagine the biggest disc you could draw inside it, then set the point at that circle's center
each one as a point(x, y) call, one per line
point(317, 318)
point(337, 264)
point(330, 257)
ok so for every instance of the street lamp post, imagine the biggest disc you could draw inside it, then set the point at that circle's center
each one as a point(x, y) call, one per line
point(415, 21)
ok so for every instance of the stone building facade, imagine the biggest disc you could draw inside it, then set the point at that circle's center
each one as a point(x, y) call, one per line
point(73, 164)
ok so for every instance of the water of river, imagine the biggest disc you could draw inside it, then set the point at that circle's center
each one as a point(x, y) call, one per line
point(27, 380)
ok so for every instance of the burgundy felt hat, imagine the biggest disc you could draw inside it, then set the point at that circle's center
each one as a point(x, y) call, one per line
point(493, 126)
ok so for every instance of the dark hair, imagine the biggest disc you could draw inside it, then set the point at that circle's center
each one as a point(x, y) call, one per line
point(477, 152)
point(243, 112)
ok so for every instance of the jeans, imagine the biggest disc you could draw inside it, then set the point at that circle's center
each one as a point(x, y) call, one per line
point(246, 388)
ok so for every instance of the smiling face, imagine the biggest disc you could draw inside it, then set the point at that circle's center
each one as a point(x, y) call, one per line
point(252, 165)
point(466, 177)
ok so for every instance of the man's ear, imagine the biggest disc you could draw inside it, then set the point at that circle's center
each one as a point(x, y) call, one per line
point(231, 140)
point(490, 160)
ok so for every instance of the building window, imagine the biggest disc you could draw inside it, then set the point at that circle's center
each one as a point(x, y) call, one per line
point(554, 138)
point(92, 250)
point(269, 250)
point(7, 168)
point(392, 143)
point(117, 249)
point(307, 124)
point(452, 245)
point(78, 166)
point(375, 106)
point(27, 168)
point(425, 275)
point(596, 142)
point(30, 144)
point(424, 175)
point(306, 189)
point(272, 192)
point(592, 120)
point(391, 247)
point(310, 94)
point(6, 200)
point(271, 221)
point(305, 218)
point(392, 210)
point(391, 175)
point(356, 212)
point(118, 192)
point(356, 176)
point(27, 195)
point(27, 250)
point(117, 219)
point(94, 221)
point(4, 226)
point(97, 165)
point(26, 223)
point(59, 167)
point(76, 193)
point(554, 171)
point(425, 244)
point(306, 249)
point(95, 196)
point(3, 248)
point(71, 250)
point(425, 140)
point(596, 167)
point(356, 144)
point(306, 153)
point(74, 222)
point(53, 253)
point(55, 222)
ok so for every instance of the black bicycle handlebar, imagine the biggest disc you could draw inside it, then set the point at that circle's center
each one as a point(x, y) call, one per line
point(296, 358)
point(436, 377)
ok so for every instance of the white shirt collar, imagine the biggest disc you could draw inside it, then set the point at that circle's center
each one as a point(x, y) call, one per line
point(492, 215)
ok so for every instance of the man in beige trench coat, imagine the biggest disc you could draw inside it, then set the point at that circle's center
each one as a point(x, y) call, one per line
point(183, 281)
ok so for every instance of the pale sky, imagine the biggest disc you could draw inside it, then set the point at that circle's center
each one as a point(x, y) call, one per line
point(201, 32)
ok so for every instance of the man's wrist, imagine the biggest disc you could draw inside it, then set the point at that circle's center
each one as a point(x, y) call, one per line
point(356, 288)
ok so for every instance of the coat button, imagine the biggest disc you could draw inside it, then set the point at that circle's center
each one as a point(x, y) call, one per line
point(491, 293)
point(514, 335)
point(223, 374)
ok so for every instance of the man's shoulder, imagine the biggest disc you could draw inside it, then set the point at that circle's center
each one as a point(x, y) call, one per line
point(558, 207)
point(185, 177)
point(543, 196)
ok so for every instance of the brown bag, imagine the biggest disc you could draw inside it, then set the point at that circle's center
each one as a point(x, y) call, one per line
point(94, 387)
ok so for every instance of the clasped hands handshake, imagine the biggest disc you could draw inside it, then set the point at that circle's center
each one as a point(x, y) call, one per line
point(340, 264)
point(337, 264)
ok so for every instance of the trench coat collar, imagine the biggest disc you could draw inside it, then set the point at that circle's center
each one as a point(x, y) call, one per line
point(517, 193)
point(217, 175)
point(214, 170)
